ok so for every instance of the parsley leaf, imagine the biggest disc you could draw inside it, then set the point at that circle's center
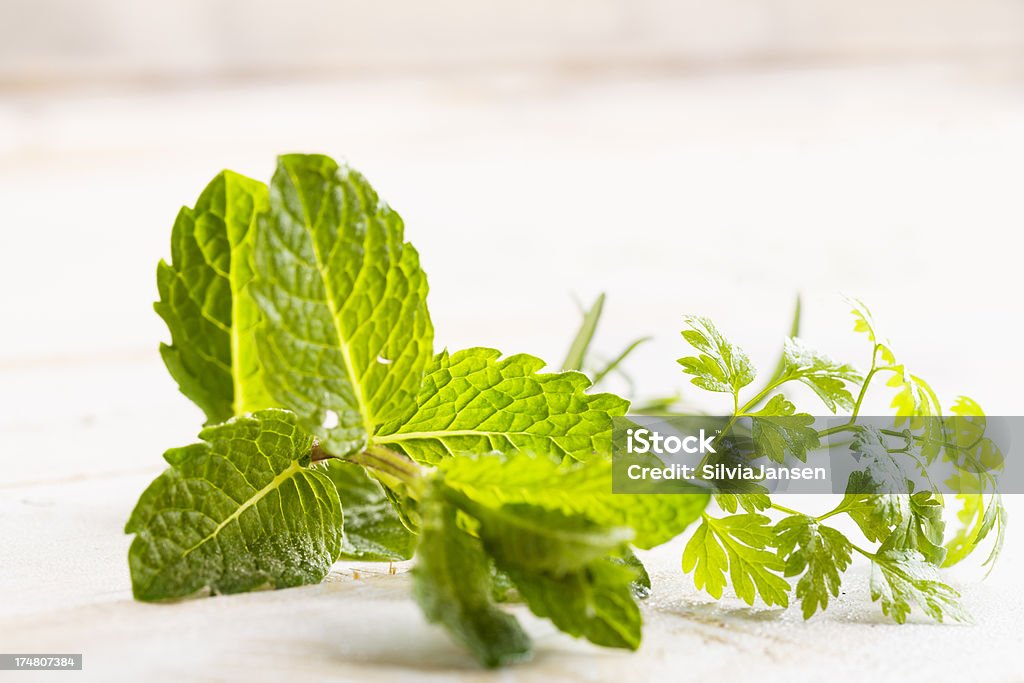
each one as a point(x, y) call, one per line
point(827, 378)
point(921, 529)
point(346, 333)
point(737, 544)
point(777, 429)
point(818, 552)
point(472, 401)
point(205, 299)
point(721, 366)
point(239, 511)
point(901, 578)
point(864, 322)
point(754, 499)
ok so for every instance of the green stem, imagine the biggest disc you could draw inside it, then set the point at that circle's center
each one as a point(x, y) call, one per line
point(390, 463)
point(739, 412)
point(788, 511)
point(866, 553)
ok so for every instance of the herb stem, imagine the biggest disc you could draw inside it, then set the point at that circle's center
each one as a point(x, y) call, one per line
point(391, 463)
point(788, 511)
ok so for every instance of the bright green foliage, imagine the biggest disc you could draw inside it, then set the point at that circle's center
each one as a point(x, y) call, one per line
point(641, 583)
point(536, 539)
point(721, 366)
point(737, 544)
point(373, 529)
point(205, 299)
point(570, 570)
point(346, 333)
point(827, 378)
point(452, 584)
point(877, 496)
point(777, 429)
point(754, 501)
point(595, 602)
point(574, 489)
point(900, 578)
point(305, 296)
point(921, 529)
point(864, 322)
point(473, 401)
point(977, 519)
point(817, 554)
point(237, 512)
point(914, 398)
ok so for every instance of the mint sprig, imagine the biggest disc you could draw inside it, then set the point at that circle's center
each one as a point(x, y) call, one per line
point(304, 298)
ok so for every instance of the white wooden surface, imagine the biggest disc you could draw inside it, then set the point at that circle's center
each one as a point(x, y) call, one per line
point(720, 194)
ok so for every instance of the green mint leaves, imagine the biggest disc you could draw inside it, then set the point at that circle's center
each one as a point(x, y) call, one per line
point(574, 489)
point(206, 302)
point(237, 512)
point(453, 585)
point(299, 324)
point(566, 567)
point(473, 401)
point(345, 334)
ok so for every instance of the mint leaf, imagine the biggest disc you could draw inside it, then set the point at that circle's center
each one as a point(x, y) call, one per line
point(205, 299)
point(826, 377)
point(575, 489)
point(452, 584)
point(737, 544)
point(235, 513)
point(472, 402)
point(373, 528)
point(595, 602)
point(346, 332)
point(641, 583)
point(817, 552)
point(721, 366)
point(902, 578)
point(777, 429)
point(536, 539)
